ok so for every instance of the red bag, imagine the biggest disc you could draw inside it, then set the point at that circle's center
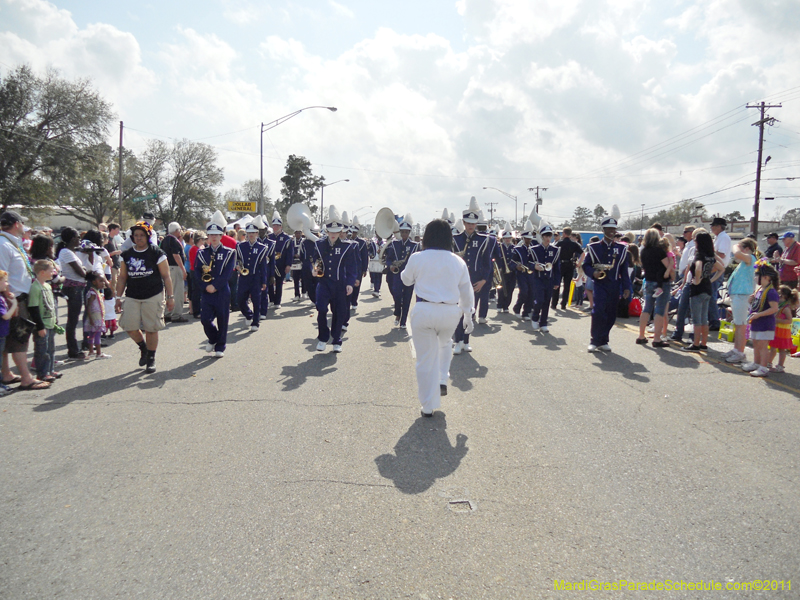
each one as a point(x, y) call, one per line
point(635, 308)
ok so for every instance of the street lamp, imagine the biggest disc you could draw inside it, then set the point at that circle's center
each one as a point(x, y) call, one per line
point(322, 198)
point(273, 125)
point(514, 198)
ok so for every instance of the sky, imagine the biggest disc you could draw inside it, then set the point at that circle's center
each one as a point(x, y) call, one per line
point(626, 102)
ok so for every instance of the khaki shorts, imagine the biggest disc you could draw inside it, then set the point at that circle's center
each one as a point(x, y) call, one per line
point(147, 315)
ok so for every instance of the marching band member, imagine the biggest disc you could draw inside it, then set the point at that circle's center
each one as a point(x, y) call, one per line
point(335, 282)
point(482, 297)
point(606, 263)
point(522, 257)
point(547, 275)
point(362, 254)
point(396, 256)
point(283, 258)
point(506, 264)
point(474, 248)
point(307, 253)
point(444, 295)
point(270, 259)
point(296, 266)
point(354, 264)
point(251, 258)
point(375, 277)
point(214, 265)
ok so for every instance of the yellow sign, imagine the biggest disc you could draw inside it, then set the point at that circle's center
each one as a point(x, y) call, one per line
point(249, 207)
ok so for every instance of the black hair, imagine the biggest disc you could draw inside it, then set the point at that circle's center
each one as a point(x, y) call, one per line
point(94, 236)
point(704, 245)
point(438, 235)
point(91, 276)
point(41, 247)
point(594, 238)
point(67, 235)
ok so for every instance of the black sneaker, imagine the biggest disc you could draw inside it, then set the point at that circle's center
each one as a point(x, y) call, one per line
point(442, 389)
point(151, 365)
point(143, 356)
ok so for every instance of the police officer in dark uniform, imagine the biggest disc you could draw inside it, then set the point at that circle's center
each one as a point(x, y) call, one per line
point(396, 256)
point(546, 275)
point(570, 251)
point(476, 250)
point(213, 267)
point(283, 258)
point(251, 258)
point(335, 282)
point(611, 258)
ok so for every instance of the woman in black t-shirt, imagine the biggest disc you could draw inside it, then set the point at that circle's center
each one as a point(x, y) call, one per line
point(657, 271)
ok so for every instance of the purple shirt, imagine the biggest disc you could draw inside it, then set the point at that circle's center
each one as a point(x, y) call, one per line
point(764, 323)
point(5, 326)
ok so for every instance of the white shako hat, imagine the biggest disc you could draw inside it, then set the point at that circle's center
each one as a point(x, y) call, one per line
point(355, 225)
point(613, 219)
point(506, 231)
point(527, 232)
point(472, 214)
point(276, 218)
point(345, 220)
point(458, 227)
point(217, 224)
point(407, 223)
point(482, 219)
point(452, 218)
point(333, 224)
point(446, 217)
point(258, 222)
point(546, 228)
point(254, 225)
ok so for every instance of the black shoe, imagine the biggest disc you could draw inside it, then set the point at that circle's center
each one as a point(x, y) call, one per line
point(151, 366)
point(702, 347)
point(713, 327)
point(103, 345)
point(676, 338)
point(143, 357)
point(643, 341)
point(167, 319)
point(77, 355)
point(691, 348)
point(442, 389)
point(660, 344)
point(180, 319)
point(424, 414)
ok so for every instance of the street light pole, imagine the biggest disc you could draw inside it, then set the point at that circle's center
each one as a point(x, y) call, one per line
point(273, 125)
point(513, 197)
point(322, 198)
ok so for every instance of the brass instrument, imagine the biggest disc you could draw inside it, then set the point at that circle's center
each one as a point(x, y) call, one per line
point(277, 256)
point(601, 270)
point(319, 268)
point(505, 260)
point(526, 269)
point(398, 265)
point(243, 271)
point(206, 278)
point(463, 252)
point(497, 277)
point(548, 267)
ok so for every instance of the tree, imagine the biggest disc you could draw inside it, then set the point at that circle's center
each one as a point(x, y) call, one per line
point(597, 216)
point(581, 219)
point(184, 175)
point(735, 216)
point(791, 217)
point(299, 185)
point(91, 193)
point(48, 126)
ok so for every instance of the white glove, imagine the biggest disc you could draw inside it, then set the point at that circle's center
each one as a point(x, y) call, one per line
point(469, 324)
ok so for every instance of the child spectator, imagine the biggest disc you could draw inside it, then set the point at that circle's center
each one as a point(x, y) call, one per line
point(42, 310)
point(94, 317)
point(762, 319)
point(8, 306)
point(109, 306)
point(782, 344)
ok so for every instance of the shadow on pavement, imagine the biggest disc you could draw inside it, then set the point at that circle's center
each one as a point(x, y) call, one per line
point(621, 365)
point(136, 378)
point(547, 341)
point(463, 368)
point(675, 357)
point(318, 365)
point(393, 337)
point(422, 455)
point(375, 315)
point(484, 329)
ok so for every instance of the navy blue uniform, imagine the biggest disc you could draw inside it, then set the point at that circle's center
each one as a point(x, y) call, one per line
point(544, 281)
point(362, 256)
point(332, 286)
point(606, 291)
point(283, 258)
point(374, 250)
point(216, 305)
point(522, 256)
point(399, 250)
point(270, 258)
point(252, 257)
point(478, 255)
point(505, 256)
point(297, 274)
point(307, 253)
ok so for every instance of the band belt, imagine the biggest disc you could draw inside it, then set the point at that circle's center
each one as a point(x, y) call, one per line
point(420, 299)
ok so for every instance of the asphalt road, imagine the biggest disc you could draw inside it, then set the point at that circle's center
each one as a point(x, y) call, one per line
point(281, 472)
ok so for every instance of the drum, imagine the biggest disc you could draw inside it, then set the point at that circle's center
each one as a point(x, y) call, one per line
point(375, 266)
point(297, 265)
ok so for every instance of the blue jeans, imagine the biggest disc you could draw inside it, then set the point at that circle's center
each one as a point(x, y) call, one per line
point(700, 304)
point(713, 307)
point(44, 350)
point(74, 296)
point(683, 310)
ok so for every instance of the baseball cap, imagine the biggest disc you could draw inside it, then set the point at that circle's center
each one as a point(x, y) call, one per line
point(788, 234)
point(10, 217)
point(773, 234)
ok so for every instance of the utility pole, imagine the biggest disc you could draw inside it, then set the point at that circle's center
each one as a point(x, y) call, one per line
point(119, 183)
point(538, 200)
point(491, 206)
point(764, 120)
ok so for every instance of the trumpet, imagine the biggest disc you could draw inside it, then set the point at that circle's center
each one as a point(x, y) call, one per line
point(206, 278)
point(397, 265)
point(319, 268)
point(497, 277)
point(243, 271)
point(601, 271)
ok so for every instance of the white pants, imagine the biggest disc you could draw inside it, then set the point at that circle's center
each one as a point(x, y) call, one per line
point(432, 327)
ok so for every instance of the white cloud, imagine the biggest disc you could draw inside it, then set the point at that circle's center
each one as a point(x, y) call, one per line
point(342, 10)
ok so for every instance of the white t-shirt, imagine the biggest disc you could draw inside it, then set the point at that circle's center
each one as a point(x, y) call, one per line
point(724, 246)
point(104, 256)
point(96, 265)
point(65, 257)
point(440, 276)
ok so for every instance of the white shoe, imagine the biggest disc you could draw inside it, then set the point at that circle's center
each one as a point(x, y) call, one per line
point(544, 329)
point(777, 369)
point(651, 328)
point(321, 346)
point(459, 346)
point(482, 321)
point(604, 348)
point(750, 366)
point(219, 354)
point(344, 327)
point(376, 295)
point(729, 353)
point(103, 355)
point(592, 348)
point(403, 326)
point(209, 347)
point(526, 318)
point(467, 348)
point(253, 328)
point(337, 348)
point(735, 357)
point(760, 372)
point(397, 322)
point(505, 310)
point(535, 326)
point(276, 306)
point(352, 310)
